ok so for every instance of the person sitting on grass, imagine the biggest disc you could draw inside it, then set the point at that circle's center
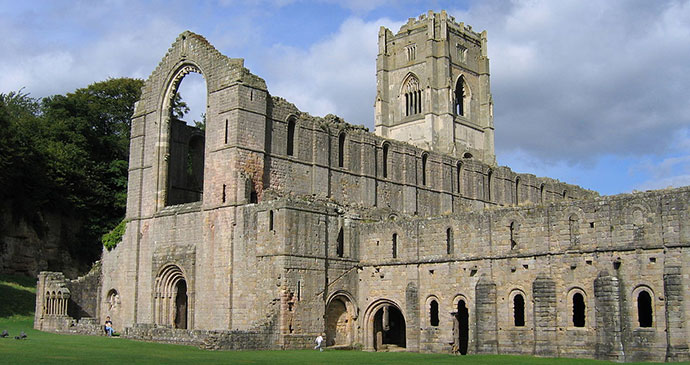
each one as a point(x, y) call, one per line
point(108, 326)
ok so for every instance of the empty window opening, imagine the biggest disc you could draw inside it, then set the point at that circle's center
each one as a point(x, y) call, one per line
point(413, 96)
point(270, 220)
point(187, 122)
point(395, 245)
point(578, 310)
point(424, 160)
point(467, 155)
point(565, 194)
point(541, 193)
point(389, 328)
point(591, 224)
point(385, 160)
point(460, 96)
point(519, 310)
point(299, 290)
point(291, 137)
point(253, 196)
point(226, 131)
point(644, 309)
point(517, 190)
point(433, 313)
point(462, 321)
point(341, 150)
point(341, 244)
point(251, 95)
point(449, 241)
point(513, 243)
point(223, 197)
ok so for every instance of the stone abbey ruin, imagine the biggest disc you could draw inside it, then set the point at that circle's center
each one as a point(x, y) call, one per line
point(272, 226)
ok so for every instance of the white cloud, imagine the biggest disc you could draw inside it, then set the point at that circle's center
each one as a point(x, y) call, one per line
point(336, 75)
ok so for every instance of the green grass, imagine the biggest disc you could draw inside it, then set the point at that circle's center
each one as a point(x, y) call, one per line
point(49, 348)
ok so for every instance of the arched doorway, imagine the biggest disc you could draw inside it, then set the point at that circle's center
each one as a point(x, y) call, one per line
point(181, 305)
point(386, 327)
point(171, 303)
point(462, 328)
point(340, 317)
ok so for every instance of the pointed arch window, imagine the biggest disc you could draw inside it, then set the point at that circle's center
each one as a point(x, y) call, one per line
point(449, 241)
point(385, 159)
point(341, 244)
point(413, 96)
point(460, 97)
point(291, 137)
point(341, 150)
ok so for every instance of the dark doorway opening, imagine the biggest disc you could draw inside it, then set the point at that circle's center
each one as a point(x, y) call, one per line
point(389, 328)
point(181, 305)
point(462, 318)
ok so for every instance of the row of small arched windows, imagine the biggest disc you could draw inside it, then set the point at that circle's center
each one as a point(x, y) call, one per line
point(578, 307)
point(290, 151)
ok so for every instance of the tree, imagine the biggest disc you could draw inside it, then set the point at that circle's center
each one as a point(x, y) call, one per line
point(69, 154)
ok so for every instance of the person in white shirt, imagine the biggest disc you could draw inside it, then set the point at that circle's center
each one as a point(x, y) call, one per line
point(319, 340)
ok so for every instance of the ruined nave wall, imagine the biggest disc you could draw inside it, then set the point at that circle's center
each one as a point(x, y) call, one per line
point(607, 249)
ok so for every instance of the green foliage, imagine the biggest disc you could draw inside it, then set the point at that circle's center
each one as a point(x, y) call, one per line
point(69, 154)
point(112, 238)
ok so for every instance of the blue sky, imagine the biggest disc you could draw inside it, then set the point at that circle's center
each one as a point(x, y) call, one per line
point(594, 93)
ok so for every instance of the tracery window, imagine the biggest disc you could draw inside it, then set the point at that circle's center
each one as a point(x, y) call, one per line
point(413, 96)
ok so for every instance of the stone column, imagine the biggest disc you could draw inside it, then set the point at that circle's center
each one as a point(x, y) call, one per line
point(545, 319)
point(608, 316)
point(677, 345)
point(487, 334)
point(412, 324)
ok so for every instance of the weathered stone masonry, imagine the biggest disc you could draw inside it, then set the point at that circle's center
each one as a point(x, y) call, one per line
point(289, 225)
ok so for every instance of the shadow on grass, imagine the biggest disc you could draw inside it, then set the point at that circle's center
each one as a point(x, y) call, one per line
point(18, 295)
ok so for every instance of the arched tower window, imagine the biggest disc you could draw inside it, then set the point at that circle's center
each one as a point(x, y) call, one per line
point(449, 241)
point(644, 309)
point(425, 157)
point(291, 137)
point(385, 159)
point(395, 245)
point(433, 313)
point(517, 190)
point(460, 96)
point(413, 96)
point(513, 242)
point(341, 150)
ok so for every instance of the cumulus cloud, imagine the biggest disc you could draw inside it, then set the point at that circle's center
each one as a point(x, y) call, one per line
point(336, 75)
point(573, 80)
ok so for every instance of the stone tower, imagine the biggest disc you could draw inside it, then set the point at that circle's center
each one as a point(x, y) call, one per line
point(433, 89)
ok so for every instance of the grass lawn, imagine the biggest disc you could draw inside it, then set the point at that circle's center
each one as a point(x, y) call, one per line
point(50, 348)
